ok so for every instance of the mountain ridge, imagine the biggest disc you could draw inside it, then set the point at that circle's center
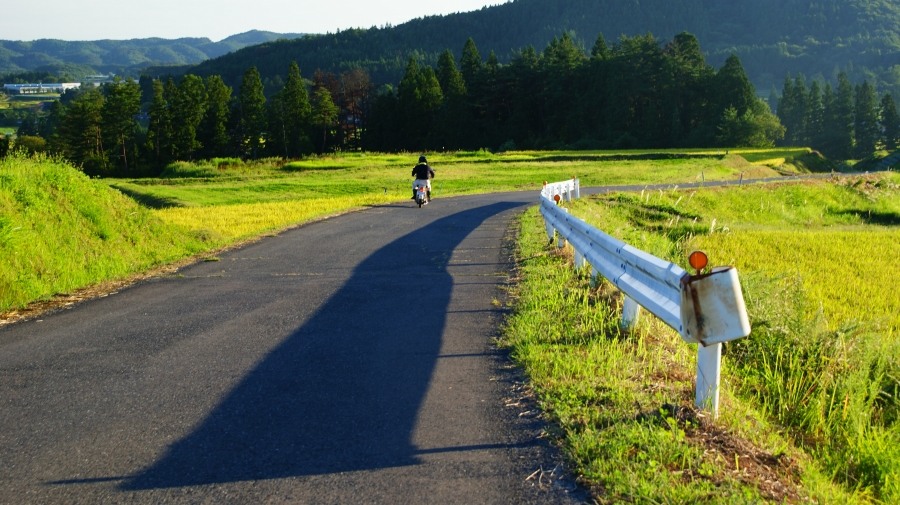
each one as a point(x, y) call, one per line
point(773, 38)
point(126, 56)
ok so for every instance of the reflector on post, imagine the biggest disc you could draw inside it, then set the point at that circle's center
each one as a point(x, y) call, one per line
point(698, 260)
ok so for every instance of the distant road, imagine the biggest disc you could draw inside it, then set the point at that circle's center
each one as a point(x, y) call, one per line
point(345, 361)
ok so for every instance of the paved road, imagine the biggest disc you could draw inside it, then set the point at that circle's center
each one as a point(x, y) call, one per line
point(346, 361)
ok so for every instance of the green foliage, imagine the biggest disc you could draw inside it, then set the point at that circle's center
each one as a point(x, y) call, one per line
point(251, 114)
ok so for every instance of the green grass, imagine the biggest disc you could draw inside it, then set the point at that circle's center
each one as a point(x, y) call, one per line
point(818, 264)
point(61, 231)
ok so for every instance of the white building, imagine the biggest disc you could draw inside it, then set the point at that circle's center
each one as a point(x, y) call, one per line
point(40, 88)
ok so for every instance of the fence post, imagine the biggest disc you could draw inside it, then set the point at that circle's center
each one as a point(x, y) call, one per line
point(709, 367)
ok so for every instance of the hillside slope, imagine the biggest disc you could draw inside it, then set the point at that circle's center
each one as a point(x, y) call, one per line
point(773, 38)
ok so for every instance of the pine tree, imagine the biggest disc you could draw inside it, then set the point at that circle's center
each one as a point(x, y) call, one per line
point(188, 107)
point(82, 132)
point(212, 133)
point(890, 123)
point(159, 130)
point(297, 111)
point(251, 115)
point(324, 114)
point(733, 87)
point(452, 119)
point(470, 63)
point(865, 124)
point(120, 107)
point(815, 117)
point(452, 83)
point(841, 124)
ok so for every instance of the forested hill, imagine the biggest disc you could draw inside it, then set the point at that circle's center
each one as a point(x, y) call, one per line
point(80, 58)
point(772, 38)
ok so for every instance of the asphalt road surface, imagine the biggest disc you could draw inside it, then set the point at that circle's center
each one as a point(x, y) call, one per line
point(345, 361)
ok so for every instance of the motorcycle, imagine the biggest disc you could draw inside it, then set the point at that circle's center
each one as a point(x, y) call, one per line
point(422, 195)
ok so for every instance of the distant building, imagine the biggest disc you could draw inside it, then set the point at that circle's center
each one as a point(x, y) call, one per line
point(97, 80)
point(40, 88)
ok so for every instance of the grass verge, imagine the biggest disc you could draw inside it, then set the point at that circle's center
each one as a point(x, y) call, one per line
point(815, 401)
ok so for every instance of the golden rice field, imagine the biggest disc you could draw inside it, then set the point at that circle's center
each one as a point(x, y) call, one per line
point(851, 274)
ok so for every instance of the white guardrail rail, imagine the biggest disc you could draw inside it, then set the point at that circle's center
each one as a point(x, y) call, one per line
point(706, 309)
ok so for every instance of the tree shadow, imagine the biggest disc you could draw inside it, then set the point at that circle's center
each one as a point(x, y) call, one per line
point(874, 217)
point(342, 393)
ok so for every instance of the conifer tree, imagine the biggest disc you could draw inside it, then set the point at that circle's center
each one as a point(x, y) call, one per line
point(120, 107)
point(188, 107)
point(865, 123)
point(82, 132)
point(840, 140)
point(251, 115)
point(324, 114)
point(470, 63)
point(297, 111)
point(213, 130)
point(890, 123)
point(159, 130)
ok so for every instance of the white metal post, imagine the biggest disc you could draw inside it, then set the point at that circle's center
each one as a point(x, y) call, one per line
point(709, 367)
point(631, 311)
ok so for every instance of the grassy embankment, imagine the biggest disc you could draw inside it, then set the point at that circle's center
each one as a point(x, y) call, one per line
point(812, 398)
point(60, 231)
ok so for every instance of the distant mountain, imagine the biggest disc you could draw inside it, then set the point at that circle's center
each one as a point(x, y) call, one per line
point(124, 57)
point(773, 38)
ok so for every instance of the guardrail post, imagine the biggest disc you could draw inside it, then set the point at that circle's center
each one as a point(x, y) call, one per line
point(709, 368)
point(631, 311)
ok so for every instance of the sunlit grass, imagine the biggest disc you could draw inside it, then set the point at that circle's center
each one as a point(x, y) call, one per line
point(60, 231)
point(240, 221)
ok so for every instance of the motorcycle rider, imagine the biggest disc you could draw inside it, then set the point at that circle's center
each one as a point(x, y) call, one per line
point(423, 174)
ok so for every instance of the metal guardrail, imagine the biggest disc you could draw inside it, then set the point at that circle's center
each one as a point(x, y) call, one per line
point(565, 190)
point(706, 309)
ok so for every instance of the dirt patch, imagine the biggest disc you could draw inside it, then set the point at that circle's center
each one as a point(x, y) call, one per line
point(776, 476)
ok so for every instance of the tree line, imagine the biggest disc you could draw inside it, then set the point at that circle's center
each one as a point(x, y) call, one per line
point(134, 128)
point(635, 93)
point(843, 122)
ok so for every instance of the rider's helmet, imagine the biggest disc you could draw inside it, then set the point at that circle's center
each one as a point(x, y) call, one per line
point(422, 159)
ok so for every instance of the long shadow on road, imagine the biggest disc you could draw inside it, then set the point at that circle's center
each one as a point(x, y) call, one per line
point(342, 393)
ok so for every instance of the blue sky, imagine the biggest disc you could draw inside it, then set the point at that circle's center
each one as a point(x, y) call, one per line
point(130, 19)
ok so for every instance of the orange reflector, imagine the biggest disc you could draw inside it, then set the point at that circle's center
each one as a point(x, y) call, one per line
point(698, 260)
point(556, 198)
